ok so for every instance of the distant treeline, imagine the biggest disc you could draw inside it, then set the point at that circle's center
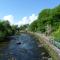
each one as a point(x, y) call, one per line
point(47, 18)
point(6, 29)
point(48, 22)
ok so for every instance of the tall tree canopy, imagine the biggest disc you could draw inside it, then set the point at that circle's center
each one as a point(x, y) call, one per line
point(50, 17)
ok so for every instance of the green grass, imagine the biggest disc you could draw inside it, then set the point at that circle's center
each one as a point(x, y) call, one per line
point(56, 35)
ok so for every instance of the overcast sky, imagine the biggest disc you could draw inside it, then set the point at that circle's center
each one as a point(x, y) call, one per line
point(24, 11)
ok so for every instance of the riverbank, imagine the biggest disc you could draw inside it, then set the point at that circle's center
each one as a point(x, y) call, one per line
point(49, 47)
point(46, 46)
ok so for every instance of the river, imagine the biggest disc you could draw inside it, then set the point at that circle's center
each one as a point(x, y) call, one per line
point(22, 47)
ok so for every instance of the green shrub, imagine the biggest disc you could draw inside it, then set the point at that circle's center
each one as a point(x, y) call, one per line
point(56, 35)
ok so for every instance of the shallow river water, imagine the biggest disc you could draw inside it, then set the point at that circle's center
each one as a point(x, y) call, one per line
point(22, 47)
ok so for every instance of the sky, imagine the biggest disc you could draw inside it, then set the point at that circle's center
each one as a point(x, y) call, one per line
point(24, 11)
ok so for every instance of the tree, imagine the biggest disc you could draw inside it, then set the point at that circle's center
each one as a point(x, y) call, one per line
point(6, 29)
point(24, 27)
point(33, 26)
point(46, 17)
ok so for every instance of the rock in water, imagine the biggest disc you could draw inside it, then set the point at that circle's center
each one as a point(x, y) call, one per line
point(18, 43)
